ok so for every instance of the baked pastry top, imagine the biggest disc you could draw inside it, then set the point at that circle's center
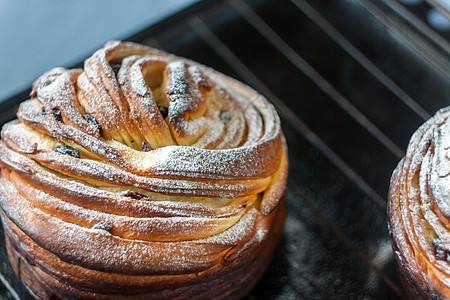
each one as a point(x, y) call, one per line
point(142, 175)
point(419, 210)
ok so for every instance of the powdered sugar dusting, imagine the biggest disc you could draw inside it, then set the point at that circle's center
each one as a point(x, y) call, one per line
point(182, 96)
point(440, 170)
point(191, 162)
point(138, 81)
point(215, 131)
point(238, 232)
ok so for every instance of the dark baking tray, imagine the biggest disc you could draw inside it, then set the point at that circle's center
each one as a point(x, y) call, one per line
point(351, 81)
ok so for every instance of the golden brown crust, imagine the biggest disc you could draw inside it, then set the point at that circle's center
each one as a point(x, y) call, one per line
point(418, 211)
point(143, 175)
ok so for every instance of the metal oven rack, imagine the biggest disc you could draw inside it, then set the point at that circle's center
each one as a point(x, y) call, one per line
point(351, 81)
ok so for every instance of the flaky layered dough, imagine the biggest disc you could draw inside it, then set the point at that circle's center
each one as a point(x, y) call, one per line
point(143, 176)
point(419, 211)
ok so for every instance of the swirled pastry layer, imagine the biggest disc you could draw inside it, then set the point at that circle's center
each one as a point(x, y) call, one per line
point(419, 210)
point(142, 175)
